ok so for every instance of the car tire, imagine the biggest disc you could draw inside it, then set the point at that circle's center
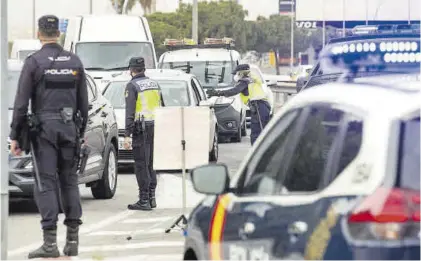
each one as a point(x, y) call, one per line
point(244, 129)
point(238, 136)
point(103, 189)
point(213, 155)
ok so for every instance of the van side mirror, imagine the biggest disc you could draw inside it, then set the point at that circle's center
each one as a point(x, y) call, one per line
point(212, 179)
point(206, 103)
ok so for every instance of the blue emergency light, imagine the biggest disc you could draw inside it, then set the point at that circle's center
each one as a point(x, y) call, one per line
point(388, 54)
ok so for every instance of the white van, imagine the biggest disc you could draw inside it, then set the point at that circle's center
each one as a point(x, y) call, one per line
point(105, 43)
point(212, 63)
point(21, 48)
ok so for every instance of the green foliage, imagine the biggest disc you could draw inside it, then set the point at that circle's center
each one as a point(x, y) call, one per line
point(227, 19)
point(146, 4)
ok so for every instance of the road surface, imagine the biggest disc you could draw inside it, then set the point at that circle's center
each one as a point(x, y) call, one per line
point(108, 223)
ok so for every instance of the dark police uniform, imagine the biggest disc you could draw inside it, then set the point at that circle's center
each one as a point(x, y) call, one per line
point(143, 96)
point(55, 82)
point(252, 94)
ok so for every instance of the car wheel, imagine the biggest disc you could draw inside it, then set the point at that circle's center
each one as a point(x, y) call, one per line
point(238, 135)
point(105, 187)
point(244, 129)
point(213, 155)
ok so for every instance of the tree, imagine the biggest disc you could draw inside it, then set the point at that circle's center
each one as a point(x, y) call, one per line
point(120, 3)
point(146, 6)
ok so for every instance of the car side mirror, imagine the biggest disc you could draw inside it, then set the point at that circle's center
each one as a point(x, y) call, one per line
point(271, 82)
point(206, 104)
point(212, 179)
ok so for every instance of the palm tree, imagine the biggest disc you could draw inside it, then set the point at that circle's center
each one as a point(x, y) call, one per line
point(147, 6)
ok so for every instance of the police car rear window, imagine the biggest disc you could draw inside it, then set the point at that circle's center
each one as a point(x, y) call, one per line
point(409, 155)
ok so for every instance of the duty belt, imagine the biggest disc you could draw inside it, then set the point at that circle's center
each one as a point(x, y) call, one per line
point(49, 116)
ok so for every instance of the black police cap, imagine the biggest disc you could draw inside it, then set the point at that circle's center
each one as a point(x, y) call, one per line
point(48, 23)
point(137, 62)
point(241, 67)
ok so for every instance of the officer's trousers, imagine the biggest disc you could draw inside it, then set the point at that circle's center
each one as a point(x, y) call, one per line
point(260, 113)
point(142, 144)
point(55, 151)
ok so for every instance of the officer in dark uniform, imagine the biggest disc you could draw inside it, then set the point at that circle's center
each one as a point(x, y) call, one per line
point(252, 94)
point(54, 80)
point(143, 96)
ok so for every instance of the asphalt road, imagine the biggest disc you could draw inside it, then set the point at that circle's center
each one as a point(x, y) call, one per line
point(108, 223)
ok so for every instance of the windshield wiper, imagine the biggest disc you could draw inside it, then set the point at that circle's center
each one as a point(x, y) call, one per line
point(117, 68)
point(186, 67)
point(95, 69)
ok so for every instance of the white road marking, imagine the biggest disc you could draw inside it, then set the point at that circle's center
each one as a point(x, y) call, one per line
point(115, 247)
point(83, 230)
point(142, 257)
point(123, 233)
point(145, 220)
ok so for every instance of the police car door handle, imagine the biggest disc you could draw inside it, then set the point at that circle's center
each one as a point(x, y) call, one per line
point(297, 228)
point(248, 228)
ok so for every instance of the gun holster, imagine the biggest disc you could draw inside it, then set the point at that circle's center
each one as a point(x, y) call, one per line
point(67, 114)
point(29, 131)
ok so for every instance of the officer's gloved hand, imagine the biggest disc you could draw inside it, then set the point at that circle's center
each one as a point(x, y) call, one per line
point(213, 92)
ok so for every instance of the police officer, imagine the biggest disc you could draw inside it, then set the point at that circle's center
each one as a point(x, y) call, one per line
point(143, 96)
point(54, 81)
point(252, 94)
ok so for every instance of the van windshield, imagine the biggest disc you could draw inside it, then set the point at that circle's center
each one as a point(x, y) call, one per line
point(209, 73)
point(113, 55)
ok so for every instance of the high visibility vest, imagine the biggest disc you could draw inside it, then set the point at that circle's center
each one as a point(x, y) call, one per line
point(256, 91)
point(148, 99)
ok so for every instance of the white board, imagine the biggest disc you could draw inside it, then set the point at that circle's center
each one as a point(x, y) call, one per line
point(168, 137)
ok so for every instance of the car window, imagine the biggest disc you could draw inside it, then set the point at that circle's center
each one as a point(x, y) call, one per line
point(351, 143)
point(200, 89)
point(262, 170)
point(308, 169)
point(409, 155)
point(196, 95)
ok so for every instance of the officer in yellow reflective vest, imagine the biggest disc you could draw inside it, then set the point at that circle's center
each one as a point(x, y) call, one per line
point(143, 96)
point(252, 94)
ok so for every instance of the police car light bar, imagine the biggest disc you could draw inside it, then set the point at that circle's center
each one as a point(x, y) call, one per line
point(218, 41)
point(177, 42)
point(374, 54)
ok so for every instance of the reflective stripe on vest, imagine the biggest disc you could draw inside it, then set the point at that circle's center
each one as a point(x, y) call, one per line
point(148, 99)
point(256, 91)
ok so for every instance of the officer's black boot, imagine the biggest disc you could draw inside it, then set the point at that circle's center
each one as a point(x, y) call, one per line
point(49, 249)
point(152, 199)
point(72, 242)
point(142, 204)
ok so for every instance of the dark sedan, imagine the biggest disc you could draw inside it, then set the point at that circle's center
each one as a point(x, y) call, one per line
point(101, 136)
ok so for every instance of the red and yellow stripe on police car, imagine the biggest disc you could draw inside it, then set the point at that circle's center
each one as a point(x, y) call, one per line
point(216, 229)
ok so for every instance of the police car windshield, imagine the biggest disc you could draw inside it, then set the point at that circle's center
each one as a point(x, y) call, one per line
point(174, 93)
point(12, 84)
point(209, 73)
point(110, 55)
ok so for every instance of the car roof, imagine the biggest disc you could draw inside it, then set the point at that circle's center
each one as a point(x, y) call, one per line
point(200, 54)
point(372, 94)
point(158, 74)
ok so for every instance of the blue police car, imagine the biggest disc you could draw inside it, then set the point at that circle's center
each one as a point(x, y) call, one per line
point(335, 175)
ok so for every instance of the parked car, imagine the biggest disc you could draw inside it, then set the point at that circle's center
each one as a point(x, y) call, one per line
point(178, 89)
point(101, 136)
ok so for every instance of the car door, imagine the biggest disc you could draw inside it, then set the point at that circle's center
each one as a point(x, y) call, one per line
point(213, 120)
point(94, 136)
point(245, 218)
point(297, 221)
